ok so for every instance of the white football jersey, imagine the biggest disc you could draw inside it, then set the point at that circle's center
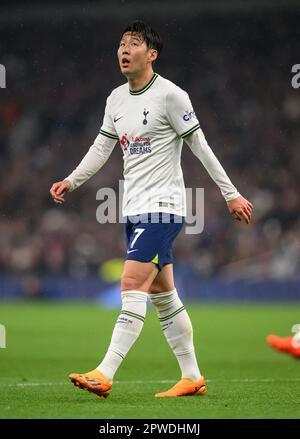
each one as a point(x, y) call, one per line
point(151, 124)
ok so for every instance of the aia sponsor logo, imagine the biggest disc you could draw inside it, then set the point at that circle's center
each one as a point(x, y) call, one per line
point(124, 143)
point(136, 145)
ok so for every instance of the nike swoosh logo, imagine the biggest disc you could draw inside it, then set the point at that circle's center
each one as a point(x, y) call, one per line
point(130, 251)
point(117, 118)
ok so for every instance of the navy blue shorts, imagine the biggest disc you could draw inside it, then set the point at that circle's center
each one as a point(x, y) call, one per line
point(150, 237)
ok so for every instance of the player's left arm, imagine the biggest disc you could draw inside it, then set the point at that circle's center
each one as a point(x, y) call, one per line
point(183, 119)
point(240, 208)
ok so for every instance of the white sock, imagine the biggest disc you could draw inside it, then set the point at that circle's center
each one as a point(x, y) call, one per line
point(126, 331)
point(177, 327)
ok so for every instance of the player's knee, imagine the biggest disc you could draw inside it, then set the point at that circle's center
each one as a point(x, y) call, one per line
point(156, 288)
point(161, 286)
point(129, 283)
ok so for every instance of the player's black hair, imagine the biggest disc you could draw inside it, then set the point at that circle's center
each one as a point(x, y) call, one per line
point(147, 33)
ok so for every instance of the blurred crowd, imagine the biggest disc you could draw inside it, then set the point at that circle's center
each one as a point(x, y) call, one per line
point(237, 71)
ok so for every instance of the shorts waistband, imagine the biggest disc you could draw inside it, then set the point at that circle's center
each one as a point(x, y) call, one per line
point(155, 218)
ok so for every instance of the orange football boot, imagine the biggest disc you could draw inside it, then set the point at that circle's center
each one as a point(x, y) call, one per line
point(94, 382)
point(185, 387)
point(284, 344)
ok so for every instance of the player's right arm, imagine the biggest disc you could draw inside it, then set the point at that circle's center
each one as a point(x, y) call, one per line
point(92, 162)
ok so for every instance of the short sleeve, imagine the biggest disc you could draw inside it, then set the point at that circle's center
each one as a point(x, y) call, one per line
point(180, 113)
point(107, 128)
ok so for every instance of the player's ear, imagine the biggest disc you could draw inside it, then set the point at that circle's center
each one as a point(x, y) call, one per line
point(152, 54)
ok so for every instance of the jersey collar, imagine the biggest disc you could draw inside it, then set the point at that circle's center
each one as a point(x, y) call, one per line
point(145, 88)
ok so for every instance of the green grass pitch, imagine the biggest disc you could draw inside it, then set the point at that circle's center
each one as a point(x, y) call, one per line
point(245, 377)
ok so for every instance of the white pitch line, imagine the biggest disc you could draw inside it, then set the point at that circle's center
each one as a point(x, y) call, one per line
point(232, 380)
point(31, 384)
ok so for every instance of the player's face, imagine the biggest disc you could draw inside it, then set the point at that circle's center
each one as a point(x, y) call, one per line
point(134, 55)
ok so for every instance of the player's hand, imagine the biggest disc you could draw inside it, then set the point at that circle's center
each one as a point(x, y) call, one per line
point(59, 189)
point(241, 209)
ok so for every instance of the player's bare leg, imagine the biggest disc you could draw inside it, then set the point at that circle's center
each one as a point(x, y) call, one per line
point(135, 283)
point(163, 281)
point(138, 275)
point(177, 328)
